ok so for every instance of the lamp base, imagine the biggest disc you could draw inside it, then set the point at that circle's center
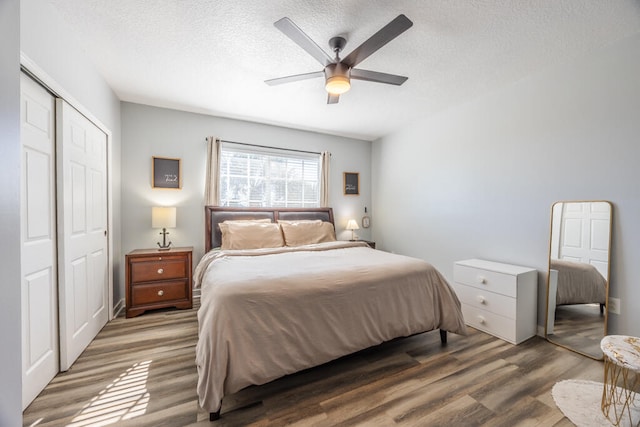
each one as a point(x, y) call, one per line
point(164, 246)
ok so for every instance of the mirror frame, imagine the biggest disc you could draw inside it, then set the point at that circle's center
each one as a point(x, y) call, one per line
point(608, 278)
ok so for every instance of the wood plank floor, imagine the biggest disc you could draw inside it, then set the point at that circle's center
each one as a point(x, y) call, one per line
point(141, 372)
point(580, 327)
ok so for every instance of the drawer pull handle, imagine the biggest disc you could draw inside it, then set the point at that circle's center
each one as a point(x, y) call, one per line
point(160, 292)
point(481, 279)
point(160, 270)
point(481, 299)
point(482, 320)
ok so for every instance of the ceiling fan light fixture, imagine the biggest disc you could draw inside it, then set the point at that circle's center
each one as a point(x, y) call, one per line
point(337, 84)
point(337, 80)
point(338, 72)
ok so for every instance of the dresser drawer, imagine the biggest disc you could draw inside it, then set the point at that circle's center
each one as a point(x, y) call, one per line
point(485, 300)
point(491, 323)
point(147, 270)
point(151, 293)
point(492, 281)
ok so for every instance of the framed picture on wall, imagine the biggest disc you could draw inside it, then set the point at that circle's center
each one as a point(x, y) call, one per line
point(165, 173)
point(351, 183)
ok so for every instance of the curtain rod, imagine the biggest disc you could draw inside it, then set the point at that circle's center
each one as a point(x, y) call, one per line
point(266, 146)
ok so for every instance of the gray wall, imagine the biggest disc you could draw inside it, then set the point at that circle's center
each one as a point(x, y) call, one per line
point(10, 320)
point(479, 180)
point(51, 44)
point(150, 131)
point(34, 27)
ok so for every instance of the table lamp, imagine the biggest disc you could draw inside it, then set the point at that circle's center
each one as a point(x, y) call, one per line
point(163, 217)
point(352, 225)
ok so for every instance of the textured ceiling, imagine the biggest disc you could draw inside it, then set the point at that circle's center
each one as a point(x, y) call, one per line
point(212, 56)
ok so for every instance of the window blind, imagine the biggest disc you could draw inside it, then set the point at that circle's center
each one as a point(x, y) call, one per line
point(258, 177)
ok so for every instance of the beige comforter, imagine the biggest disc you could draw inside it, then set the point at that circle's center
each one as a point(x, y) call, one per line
point(578, 283)
point(267, 313)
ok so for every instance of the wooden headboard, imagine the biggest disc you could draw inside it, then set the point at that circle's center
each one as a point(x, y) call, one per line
point(214, 215)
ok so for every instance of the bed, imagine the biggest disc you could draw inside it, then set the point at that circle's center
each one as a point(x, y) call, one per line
point(578, 283)
point(271, 310)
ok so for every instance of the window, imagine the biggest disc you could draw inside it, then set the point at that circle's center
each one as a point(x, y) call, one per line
point(264, 178)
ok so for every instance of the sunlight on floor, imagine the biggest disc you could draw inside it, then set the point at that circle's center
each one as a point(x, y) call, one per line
point(125, 398)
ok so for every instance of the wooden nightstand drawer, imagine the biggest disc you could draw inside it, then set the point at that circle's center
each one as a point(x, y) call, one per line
point(158, 279)
point(144, 270)
point(152, 293)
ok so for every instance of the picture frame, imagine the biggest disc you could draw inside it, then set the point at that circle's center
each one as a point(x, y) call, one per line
point(351, 183)
point(166, 173)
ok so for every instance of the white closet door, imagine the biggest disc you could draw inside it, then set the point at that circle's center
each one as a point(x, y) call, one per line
point(38, 235)
point(82, 231)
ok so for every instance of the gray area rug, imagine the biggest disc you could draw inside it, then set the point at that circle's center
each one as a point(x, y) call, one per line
point(579, 400)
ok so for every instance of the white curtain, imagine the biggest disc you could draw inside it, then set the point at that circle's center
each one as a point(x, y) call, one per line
point(212, 186)
point(324, 179)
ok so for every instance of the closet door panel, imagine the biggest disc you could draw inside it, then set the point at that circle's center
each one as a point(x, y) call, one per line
point(82, 230)
point(40, 360)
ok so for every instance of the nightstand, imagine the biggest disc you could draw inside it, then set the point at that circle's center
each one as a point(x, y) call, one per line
point(371, 244)
point(158, 279)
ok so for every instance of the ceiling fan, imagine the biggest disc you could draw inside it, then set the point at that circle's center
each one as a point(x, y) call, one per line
point(339, 72)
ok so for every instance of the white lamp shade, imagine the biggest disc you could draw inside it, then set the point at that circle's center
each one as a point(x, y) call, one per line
point(163, 217)
point(352, 225)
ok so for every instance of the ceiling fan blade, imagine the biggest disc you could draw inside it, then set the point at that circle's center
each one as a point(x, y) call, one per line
point(294, 78)
point(333, 99)
point(294, 32)
point(374, 76)
point(389, 32)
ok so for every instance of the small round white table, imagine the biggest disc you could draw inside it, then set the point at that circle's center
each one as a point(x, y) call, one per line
point(621, 378)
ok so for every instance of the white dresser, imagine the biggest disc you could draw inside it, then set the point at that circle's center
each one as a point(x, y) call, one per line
point(500, 299)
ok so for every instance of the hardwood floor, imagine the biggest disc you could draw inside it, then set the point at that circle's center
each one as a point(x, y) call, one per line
point(141, 372)
point(579, 326)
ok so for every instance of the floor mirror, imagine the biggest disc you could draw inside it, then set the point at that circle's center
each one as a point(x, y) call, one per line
point(578, 275)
